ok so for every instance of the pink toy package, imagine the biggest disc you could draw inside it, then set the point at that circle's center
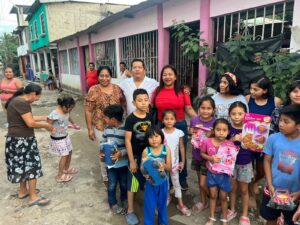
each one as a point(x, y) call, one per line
point(227, 152)
point(255, 131)
point(199, 135)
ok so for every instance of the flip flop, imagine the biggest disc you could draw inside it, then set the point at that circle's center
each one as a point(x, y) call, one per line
point(71, 171)
point(40, 202)
point(64, 178)
point(26, 195)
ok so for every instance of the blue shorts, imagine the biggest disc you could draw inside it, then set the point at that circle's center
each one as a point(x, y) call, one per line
point(220, 180)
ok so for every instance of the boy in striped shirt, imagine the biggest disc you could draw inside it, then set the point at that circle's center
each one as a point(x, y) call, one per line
point(115, 131)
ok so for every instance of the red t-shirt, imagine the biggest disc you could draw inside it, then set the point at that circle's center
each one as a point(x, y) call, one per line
point(167, 99)
point(91, 78)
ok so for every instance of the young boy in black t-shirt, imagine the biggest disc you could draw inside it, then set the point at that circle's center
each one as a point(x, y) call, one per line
point(136, 126)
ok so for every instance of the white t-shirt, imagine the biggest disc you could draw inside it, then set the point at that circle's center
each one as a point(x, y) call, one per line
point(128, 86)
point(172, 141)
point(223, 104)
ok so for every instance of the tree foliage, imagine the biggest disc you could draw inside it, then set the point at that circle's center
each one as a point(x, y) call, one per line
point(8, 51)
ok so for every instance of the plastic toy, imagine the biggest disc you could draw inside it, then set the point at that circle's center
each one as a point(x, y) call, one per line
point(150, 167)
point(282, 200)
point(108, 148)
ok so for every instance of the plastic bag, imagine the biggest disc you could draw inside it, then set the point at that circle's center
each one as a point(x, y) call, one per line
point(282, 200)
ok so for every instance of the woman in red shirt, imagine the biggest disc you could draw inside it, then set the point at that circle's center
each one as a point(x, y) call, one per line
point(169, 95)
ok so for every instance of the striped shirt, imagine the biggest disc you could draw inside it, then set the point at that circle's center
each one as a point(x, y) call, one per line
point(117, 134)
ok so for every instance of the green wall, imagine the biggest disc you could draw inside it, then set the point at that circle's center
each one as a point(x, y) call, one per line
point(43, 40)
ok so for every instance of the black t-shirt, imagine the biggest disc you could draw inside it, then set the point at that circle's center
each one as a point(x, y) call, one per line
point(138, 127)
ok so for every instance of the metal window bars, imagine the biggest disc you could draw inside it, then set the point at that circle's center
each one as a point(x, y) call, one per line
point(261, 22)
point(142, 46)
point(105, 55)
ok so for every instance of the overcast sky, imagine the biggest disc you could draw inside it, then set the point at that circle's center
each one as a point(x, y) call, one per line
point(9, 21)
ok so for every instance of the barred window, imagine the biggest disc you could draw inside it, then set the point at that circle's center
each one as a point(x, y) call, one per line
point(64, 61)
point(43, 28)
point(74, 63)
point(105, 54)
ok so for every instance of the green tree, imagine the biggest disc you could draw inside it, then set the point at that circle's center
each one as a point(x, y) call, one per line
point(8, 51)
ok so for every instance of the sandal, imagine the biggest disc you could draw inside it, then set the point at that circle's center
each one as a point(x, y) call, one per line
point(211, 221)
point(230, 215)
point(71, 170)
point(64, 178)
point(199, 207)
point(244, 220)
point(184, 210)
point(27, 194)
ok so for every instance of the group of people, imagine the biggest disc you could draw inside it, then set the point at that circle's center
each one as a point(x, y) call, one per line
point(121, 113)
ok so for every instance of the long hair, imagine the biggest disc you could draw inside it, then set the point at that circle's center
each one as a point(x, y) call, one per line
point(177, 87)
point(30, 88)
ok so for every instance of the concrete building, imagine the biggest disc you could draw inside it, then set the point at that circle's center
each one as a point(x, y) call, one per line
point(145, 31)
point(50, 20)
point(23, 36)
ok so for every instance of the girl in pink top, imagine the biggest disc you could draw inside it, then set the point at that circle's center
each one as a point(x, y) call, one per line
point(8, 86)
point(216, 182)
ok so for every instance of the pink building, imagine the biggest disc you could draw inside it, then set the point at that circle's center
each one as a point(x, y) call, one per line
point(144, 31)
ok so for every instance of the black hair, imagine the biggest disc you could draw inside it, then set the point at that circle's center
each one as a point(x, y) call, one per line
point(138, 60)
point(65, 101)
point(264, 83)
point(209, 99)
point(115, 111)
point(161, 82)
point(91, 63)
point(123, 63)
point(224, 121)
point(152, 130)
point(139, 91)
point(295, 84)
point(30, 88)
point(104, 68)
point(233, 87)
point(165, 112)
point(237, 104)
point(292, 111)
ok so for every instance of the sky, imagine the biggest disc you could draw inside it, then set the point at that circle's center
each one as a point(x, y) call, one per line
point(8, 22)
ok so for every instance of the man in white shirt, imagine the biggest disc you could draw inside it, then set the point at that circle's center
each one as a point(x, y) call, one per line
point(138, 80)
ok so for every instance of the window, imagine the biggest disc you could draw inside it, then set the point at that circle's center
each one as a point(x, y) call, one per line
point(42, 19)
point(31, 33)
point(105, 53)
point(74, 64)
point(64, 62)
point(142, 46)
point(36, 30)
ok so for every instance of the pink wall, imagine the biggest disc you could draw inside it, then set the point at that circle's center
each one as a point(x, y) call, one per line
point(181, 10)
point(84, 40)
point(143, 21)
point(220, 7)
point(66, 44)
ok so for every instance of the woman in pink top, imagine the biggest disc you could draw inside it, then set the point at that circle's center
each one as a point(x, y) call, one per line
point(169, 95)
point(8, 86)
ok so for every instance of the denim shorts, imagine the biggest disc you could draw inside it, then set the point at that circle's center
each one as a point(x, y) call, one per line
point(243, 173)
point(220, 180)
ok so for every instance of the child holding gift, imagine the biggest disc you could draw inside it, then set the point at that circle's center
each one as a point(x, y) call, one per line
point(217, 182)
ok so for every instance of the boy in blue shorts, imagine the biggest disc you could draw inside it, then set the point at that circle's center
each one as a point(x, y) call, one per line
point(282, 163)
point(136, 126)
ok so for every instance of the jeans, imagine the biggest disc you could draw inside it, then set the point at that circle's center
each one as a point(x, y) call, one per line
point(115, 176)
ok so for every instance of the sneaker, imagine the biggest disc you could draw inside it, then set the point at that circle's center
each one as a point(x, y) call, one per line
point(231, 215)
point(184, 210)
point(131, 219)
point(184, 186)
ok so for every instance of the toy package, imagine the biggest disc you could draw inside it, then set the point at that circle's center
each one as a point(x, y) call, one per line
point(282, 200)
point(150, 167)
point(199, 135)
point(255, 131)
point(227, 152)
point(109, 148)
